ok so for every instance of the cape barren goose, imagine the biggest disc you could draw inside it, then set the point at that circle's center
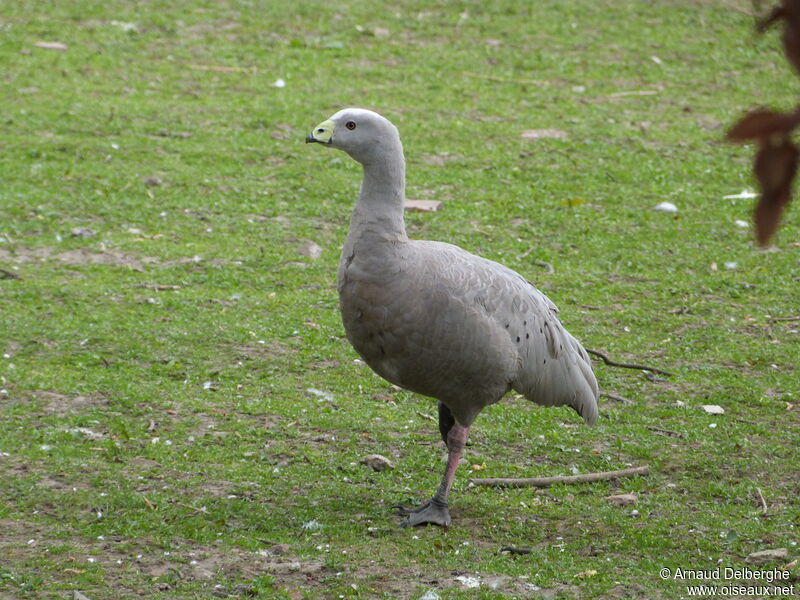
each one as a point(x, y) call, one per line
point(437, 320)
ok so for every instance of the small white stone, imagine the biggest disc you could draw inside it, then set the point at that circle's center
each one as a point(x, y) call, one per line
point(468, 581)
point(667, 207)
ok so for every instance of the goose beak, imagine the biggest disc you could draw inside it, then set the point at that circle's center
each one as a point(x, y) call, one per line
point(322, 134)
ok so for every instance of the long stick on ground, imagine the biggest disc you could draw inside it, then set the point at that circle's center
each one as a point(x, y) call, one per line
point(548, 481)
point(613, 363)
point(4, 274)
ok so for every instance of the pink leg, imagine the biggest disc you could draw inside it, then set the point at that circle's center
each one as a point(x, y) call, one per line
point(435, 510)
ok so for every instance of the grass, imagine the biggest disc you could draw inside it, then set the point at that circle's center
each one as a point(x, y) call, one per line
point(166, 442)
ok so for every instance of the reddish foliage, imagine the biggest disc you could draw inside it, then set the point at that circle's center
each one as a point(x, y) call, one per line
point(763, 123)
point(791, 42)
point(776, 161)
point(789, 12)
point(775, 167)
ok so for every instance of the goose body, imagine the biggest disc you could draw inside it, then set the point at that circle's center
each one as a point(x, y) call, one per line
point(434, 319)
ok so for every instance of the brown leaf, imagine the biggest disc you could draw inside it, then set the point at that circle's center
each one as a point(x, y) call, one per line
point(310, 249)
point(52, 46)
point(220, 68)
point(377, 462)
point(775, 167)
point(423, 205)
point(791, 41)
point(585, 574)
point(762, 123)
point(623, 499)
point(789, 12)
point(538, 134)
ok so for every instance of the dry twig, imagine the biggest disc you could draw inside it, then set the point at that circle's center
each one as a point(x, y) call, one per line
point(539, 263)
point(223, 68)
point(763, 502)
point(568, 479)
point(633, 93)
point(5, 274)
point(158, 287)
point(514, 550)
point(777, 319)
point(149, 504)
point(666, 432)
point(616, 397)
point(613, 363)
point(202, 509)
point(505, 79)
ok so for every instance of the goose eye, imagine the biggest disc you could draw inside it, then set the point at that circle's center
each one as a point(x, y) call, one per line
point(350, 125)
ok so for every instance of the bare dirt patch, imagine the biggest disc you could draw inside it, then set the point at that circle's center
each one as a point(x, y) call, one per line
point(85, 256)
point(144, 562)
point(405, 583)
point(62, 405)
point(78, 256)
point(270, 349)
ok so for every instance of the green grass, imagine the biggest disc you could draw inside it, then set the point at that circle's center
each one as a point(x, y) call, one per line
point(163, 443)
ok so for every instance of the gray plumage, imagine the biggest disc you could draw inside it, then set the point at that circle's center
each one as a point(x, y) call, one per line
point(433, 318)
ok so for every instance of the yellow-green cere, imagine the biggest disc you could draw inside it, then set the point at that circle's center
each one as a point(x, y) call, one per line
point(324, 131)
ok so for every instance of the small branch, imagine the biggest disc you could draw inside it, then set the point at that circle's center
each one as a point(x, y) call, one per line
point(567, 479)
point(202, 509)
point(539, 263)
point(158, 287)
point(650, 377)
point(613, 363)
point(776, 319)
point(4, 274)
point(513, 550)
point(622, 95)
point(223, 68)
point(763, 502)
point(633, 93)
point(505, 79)
point(616, 397)
point(666, 432)
point(425, 416)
